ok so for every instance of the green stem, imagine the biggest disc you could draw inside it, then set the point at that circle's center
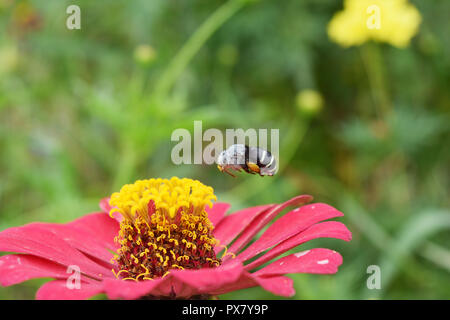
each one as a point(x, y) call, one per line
point(193, 45)
point(373, 64)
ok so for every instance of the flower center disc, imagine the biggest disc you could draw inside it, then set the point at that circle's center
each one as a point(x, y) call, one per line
point(165, 226)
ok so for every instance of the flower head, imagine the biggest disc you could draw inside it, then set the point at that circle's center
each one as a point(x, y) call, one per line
point(170, 241)
point(164, 226)
point(391, 21)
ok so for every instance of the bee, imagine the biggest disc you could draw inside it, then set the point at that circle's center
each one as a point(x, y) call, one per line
point(252, 160)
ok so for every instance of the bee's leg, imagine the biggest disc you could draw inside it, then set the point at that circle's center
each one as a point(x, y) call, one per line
point(253, 168)
point(226, 170)
point(246, 169)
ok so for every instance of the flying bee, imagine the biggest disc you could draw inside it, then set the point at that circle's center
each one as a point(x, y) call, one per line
point(252, 160)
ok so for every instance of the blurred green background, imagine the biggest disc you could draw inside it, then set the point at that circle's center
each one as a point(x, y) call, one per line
point(83, 112)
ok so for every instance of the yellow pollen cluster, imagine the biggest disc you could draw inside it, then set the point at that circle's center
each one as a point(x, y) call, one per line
point(168, 197)
point(165, 227)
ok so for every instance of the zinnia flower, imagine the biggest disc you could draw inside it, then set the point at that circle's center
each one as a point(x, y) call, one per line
point(398, 22)
point(162, 238)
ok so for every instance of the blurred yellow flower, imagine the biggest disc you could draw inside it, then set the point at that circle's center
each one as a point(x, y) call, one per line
point(391, 21)
point(144, 54)
point(309, 101)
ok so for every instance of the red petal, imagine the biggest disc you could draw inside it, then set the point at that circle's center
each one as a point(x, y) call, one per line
point(259, 222)
point(328, 229)
point(17, 268)
point(278, 285)
point(186, 283)
point(321, 261)
point(281, 286)
point(289, 225)
point(182, 283)
point(80, 239)
point(205, 281)
point(217, 212)
point(233, 224)
point(104, 205)
point(129, 289)
point(36, 240)
point(58, 290)
point(99, 226)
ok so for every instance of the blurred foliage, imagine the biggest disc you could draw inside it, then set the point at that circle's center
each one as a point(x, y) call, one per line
point(85, 111)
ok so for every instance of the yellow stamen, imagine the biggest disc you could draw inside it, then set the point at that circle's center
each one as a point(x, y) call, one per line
point(164, 222)
point(129, 278)
point(168, 197)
